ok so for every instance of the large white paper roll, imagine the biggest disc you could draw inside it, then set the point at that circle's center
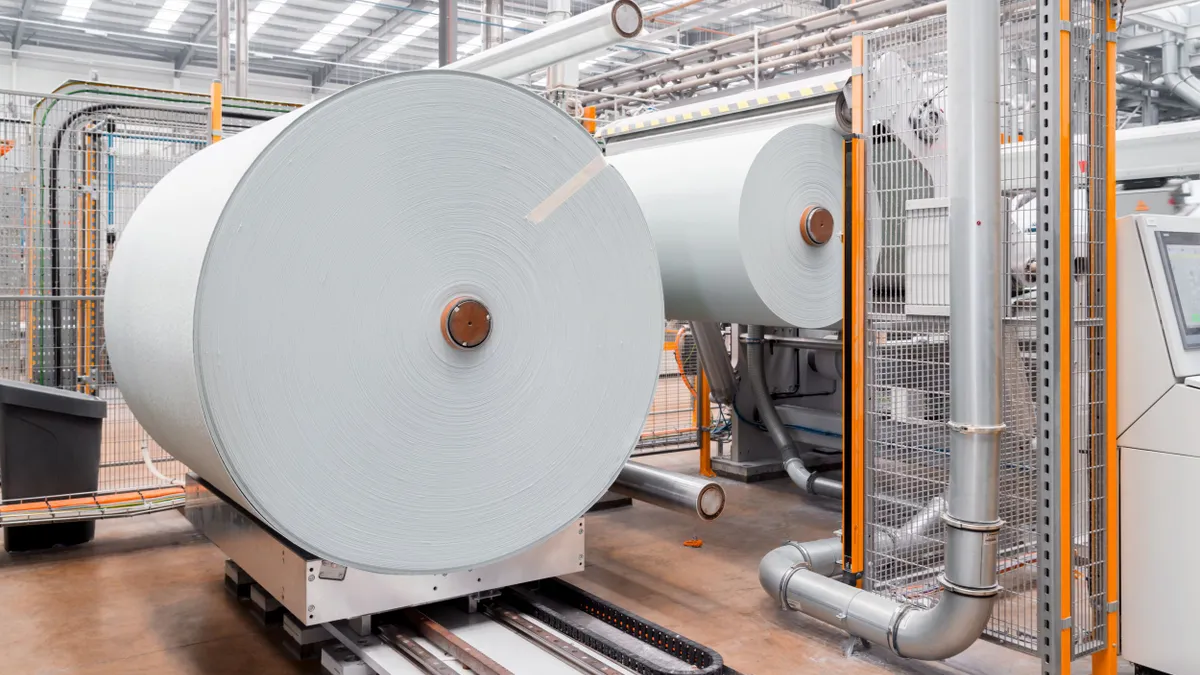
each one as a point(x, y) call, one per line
point(728, 213)
point(280, 317)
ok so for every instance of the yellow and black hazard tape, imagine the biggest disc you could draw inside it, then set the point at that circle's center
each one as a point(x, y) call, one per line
point(667, 119)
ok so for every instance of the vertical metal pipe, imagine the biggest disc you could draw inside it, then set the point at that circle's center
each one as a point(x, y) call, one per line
point(493, 31)
point(556, 11)
point(242, 17)
point(977, 281)
point(223, 41)
point(447, 32)
point(1149, 107)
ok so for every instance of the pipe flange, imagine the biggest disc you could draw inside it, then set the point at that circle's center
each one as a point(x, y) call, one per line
point(810, 484)
point(970, 525)
point(893, 631)
point(786, 579)
point(975, 428)
point(969, 591)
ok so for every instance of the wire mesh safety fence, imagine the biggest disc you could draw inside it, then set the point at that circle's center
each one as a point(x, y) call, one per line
point(672, 422)
point(73, 167)
point(907, 320)
point(1088, 339)
point(907, 372)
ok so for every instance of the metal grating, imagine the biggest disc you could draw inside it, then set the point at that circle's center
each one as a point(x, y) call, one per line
point(907, 319)
point(72, 170)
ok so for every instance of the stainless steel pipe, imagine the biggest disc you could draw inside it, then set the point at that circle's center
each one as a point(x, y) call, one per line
point(715, 360)
point(672, 491)
point(976, 384)
point(800, 342)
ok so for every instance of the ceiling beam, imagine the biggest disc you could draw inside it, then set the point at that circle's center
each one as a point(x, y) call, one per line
point(185, 56)
point(19, 33)
point(1155, 22)
point(384, 29)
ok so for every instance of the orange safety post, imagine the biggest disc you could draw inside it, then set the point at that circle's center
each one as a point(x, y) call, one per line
point(854, 358)
point(704, 423)
point(215, 96)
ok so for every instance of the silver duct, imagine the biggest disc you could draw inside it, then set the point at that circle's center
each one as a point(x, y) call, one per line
point(223, 42)
point(556, 75)
point(972, 511)
point(672, 491)
point(447, 32)
point(715, 360)
point(792, 464)
point(493, 31)
point(1177, 75)
point(242, 54)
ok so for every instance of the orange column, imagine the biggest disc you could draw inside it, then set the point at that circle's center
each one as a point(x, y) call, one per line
point(704, 423)
point(215, 96)
point(854, 499)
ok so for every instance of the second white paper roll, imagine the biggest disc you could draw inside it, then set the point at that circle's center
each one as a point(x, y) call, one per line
point(725, 211)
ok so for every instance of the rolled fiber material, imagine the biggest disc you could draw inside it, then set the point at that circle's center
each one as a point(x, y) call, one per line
point(280, 317)
point(725, 211)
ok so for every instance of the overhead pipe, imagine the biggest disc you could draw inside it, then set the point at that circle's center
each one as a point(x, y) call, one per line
point(788, 30)
point(715, 78)
point(976, 378)
point(792, 464)
point(824, 38)
point(242, 56)
point(1178, 76)
point(493, 30)
point(447, 32)
point(223, 41)
point(1132, 81)
point(581, 34)
point(715, 360)
point(557, 75)
point(672, 491)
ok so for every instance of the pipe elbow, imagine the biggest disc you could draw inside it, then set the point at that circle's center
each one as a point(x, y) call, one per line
point(944, 630)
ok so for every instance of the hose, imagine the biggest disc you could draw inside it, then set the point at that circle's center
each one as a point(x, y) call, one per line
point(792, 464)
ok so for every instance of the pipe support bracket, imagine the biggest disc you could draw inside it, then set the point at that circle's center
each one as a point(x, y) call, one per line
point(976, 428)
point(971, 526)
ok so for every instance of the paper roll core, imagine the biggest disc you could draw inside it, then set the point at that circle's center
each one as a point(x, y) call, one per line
point(466, 323)
point(816, 225)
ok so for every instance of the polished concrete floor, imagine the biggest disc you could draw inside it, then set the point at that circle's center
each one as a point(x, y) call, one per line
point(147, 596)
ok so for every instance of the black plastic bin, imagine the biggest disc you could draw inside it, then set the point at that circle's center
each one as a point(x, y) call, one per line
point(49, 445)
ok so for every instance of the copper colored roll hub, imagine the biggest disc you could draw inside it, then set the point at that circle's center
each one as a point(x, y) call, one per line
point(816, 225)
point(466, 323)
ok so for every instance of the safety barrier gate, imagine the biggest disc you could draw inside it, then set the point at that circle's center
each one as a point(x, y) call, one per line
point(73, 167)
point(1058, 473)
